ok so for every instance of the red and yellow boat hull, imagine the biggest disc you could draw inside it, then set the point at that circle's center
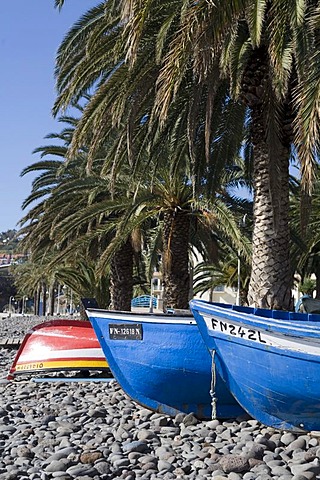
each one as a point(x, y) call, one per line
point(59, 345)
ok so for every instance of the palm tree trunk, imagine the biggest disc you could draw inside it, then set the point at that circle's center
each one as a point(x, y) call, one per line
point(271, 279)
point(37, 298)
point(51, 296)
point(176, 276)
point(271, 276)
point(121, 278)
point(44, 298)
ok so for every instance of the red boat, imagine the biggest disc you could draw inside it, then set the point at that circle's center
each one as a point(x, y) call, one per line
point(59, 345)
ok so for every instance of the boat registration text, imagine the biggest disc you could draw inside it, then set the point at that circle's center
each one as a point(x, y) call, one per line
point(29, 366)
point(125, 331)
point(237, 330)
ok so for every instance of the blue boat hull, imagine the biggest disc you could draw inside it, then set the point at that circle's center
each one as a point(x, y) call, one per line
point(279, 354)
point(161, 362)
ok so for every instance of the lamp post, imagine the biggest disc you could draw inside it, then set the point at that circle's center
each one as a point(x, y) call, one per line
point(71, 307)
point(24, 304)
point(239, 280)
point(10, 305)
point(242, 223)
point(151, 297)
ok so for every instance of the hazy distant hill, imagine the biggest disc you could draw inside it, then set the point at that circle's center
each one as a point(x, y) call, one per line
point(8, 241)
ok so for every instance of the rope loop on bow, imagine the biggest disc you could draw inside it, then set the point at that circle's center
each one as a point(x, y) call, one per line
point(213, 387)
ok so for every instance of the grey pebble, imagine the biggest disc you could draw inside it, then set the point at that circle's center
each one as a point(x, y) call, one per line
point(280, 471)
point(301, 468)
point(136, 446)
point(299, 477)
point(234, 463)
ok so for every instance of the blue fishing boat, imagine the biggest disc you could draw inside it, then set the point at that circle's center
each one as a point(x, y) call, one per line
point(161, 362)
point(269, 359)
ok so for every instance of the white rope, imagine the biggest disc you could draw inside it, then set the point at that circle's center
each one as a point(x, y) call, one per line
point(213, 388)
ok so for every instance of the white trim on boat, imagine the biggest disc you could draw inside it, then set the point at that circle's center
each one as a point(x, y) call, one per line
point(261, 336)
point(142, 318)
point(58, 354)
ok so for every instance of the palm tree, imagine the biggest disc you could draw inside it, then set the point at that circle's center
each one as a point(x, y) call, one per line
point(60, 190)
point(185, 222)
point(33, 278)
point(225, 271)
point(52, 238)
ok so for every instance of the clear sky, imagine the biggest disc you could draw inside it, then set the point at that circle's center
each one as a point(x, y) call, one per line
point(30, 33)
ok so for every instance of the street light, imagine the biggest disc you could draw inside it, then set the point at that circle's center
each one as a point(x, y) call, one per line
point(151, 297)
point(239, 282)
point(242, 223)
point(71, 307)
point(24, 304)
point(10, 306)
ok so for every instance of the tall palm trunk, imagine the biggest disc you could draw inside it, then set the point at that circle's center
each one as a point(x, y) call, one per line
point(51, 299)
point(271, 278)
point(44, 298)
point(121, 278)
point(36, 300)
point(176, 277)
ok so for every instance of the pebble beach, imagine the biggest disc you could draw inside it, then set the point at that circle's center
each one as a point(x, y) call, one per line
point(92, 430)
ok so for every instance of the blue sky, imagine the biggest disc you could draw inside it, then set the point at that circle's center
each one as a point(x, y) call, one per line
point(30, 33)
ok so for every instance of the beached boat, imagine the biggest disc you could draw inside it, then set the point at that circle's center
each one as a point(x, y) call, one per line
point(59, 345)
point(161, 362)
point(270, 360)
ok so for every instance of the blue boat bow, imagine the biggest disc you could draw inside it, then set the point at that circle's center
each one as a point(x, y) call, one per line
point(161, 362)
point(269, 359)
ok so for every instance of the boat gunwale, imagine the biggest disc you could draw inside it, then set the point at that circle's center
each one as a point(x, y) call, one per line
point(59, 322)
point(294, 327)
point(141, 317)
